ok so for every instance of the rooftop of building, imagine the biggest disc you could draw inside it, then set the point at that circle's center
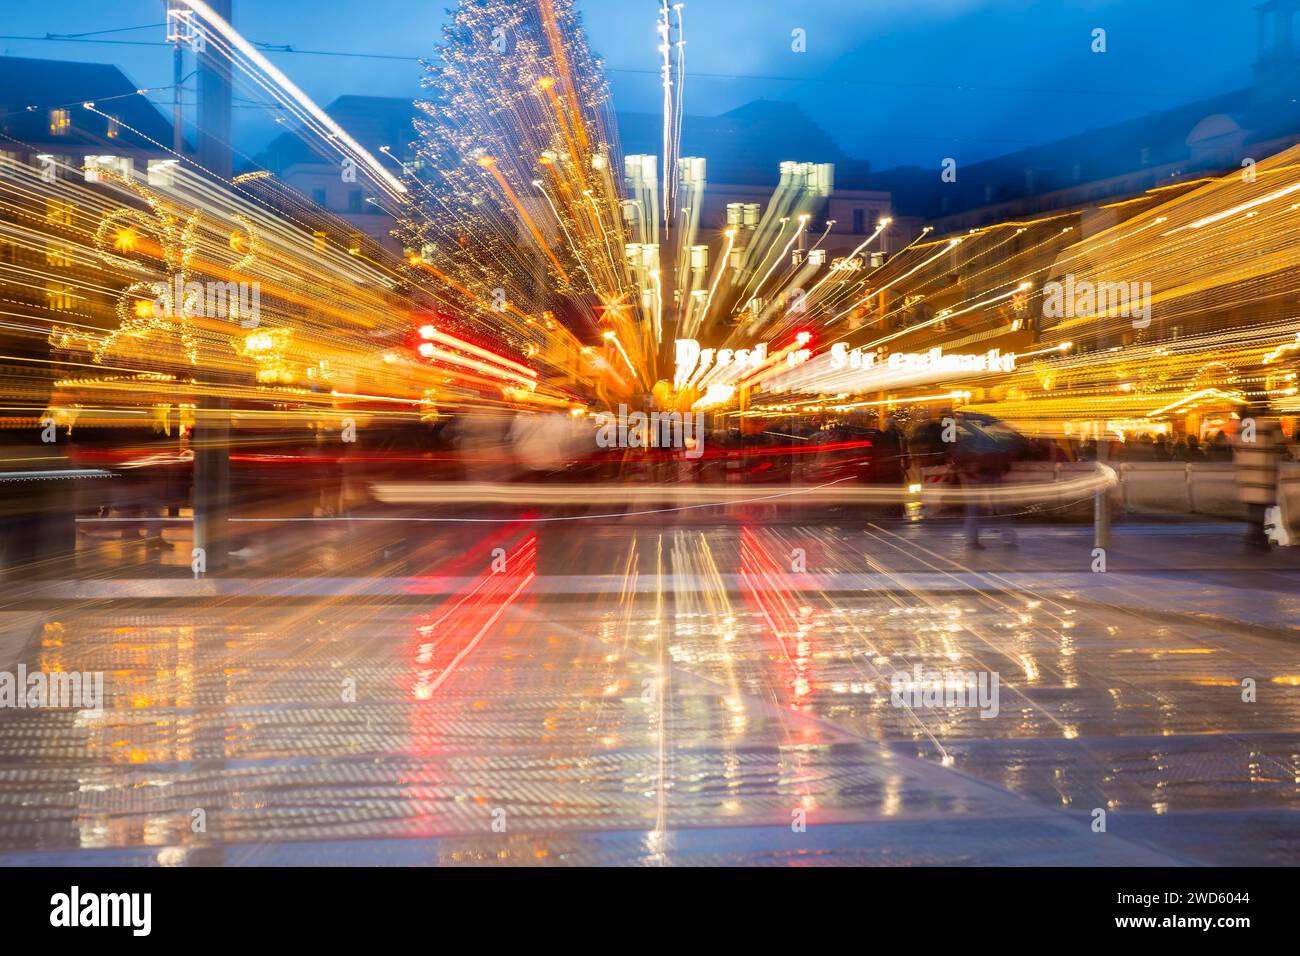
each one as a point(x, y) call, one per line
point(373, 121)
point(747, 145)
point(31, 88)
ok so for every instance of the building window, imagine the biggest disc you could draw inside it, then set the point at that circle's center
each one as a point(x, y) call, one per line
point(58, 296)
point(354, 200)
point(318, 197)
point(96, 166)
point(859, 221)
point(58, 254)
point(162, 172)
point(114, 127)
point(742, 214)
point(60, 122)
point(58, 212)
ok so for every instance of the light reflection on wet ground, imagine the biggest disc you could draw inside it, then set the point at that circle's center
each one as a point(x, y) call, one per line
point(686, 724)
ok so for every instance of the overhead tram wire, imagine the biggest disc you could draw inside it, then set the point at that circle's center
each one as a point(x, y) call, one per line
point(289, 48)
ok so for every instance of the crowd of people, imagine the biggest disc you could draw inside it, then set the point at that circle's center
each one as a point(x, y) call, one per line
point(981, 451)
point(1148, 446)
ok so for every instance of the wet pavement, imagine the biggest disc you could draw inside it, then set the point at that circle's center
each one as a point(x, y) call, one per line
point(703, 695)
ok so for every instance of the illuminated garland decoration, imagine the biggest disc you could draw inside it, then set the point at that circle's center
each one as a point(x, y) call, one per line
point(138, 242)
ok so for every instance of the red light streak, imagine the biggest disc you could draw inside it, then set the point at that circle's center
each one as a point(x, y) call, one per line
point(440, 634)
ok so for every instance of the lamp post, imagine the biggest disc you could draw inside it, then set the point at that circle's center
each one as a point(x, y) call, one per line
point(212, 418)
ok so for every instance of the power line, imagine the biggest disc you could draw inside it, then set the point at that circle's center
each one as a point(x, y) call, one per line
point(759, 77)
point(289, 48)
point(95, 33)
point(76, 39)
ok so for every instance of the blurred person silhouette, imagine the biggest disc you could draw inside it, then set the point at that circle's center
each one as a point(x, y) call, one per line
point(891, 454)
point(36, 515)
point(480, 440)
point(890, 463)
point(38, 530)
point(546, 442)
point(925, 445)
point(982, 456)
point(328, 453)
point(835, 459)
point(142, 483)
point(1259, 448)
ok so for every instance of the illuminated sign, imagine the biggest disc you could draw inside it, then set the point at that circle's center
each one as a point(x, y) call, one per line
point(844, 370)
point(693, 360)
point(935, 360)
point(837, 369)
point(843, 357)
point(727, 365)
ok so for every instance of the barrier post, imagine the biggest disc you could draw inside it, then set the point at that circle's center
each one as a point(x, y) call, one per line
point(1101, 502)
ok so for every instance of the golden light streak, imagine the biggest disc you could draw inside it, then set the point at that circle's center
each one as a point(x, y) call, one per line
point(724, 263)
point(213, 19)
point(490, 164)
